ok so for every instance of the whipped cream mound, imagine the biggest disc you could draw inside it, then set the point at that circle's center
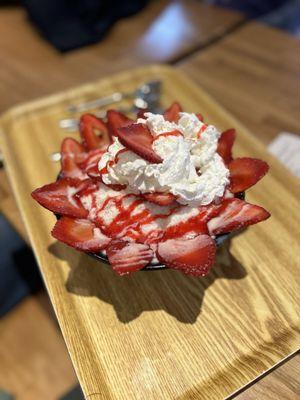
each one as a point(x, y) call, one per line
point(191, 168)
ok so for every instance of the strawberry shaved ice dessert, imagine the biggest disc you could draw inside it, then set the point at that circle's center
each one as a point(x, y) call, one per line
point(158, 189)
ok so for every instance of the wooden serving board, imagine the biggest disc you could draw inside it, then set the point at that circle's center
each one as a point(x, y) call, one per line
point(163, 335)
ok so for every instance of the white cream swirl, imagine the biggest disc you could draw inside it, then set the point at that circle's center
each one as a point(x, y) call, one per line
point(191, 168)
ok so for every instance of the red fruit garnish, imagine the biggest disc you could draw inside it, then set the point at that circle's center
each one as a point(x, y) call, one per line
point(73, 148)
point(116, 186)
point(141, 113)
point(138, 139)
point(81, 234)
point(72, 154)
point(195, 225)
point(116, 120)
point(172, 113)
point(192, 256)
point(245, 172)
point(69, 169)
point(93, 171)
point(126, 257)
point(201, 130)
point(60, 197)
point(236, 214)
point(200, 117)
point(92, 157)
point(163, 199)
point(94, 132)
point(225, 144)
point(90, 165)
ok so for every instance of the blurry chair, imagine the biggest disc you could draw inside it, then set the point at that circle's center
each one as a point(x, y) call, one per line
point(69, 25)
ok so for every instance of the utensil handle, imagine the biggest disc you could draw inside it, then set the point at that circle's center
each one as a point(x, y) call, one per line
point(101, 102)
point(72, 124)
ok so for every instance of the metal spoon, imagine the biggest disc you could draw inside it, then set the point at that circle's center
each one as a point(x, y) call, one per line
point(146, 96)
point(148, 92)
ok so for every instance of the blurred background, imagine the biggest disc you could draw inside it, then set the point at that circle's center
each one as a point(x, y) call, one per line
point(244, 53)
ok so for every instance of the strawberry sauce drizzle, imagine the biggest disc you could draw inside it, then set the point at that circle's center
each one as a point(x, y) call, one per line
point(166, 134)
point(128, 221)
point(124, 218)
point(110, 163)
point(129, 224)
point(195, 225)
point(201, 130)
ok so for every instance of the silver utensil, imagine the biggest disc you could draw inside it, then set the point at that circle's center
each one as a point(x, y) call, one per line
point(147, 96)
point(144, 95)
point(55, 157)
point(72, 124)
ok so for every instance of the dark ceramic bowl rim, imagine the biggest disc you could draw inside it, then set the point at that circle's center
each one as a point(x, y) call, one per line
point(219, 239)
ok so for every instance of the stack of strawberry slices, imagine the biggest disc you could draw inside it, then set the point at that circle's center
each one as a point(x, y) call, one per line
point(134, 226)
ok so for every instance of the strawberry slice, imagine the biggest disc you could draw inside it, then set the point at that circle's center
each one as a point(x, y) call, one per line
point(138, 139)
point(245, 172)
point(93, 171)
point(81, 234)
point(61, 197)
point(92, 157)
point(116, 186)
point(72, 153)
point(236, 214)
point(192, 256)
point(73, 148)
point(116, 120)
point(194, 225)
point(200, 117)
point(126, 257)
point(162, 199)
point(141, 113)
point(69, 169)
point(172, 113)
point(90, 165)
point(89, 126)
point(225, 144)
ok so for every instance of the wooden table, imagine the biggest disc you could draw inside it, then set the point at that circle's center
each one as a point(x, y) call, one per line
point(245, 73)
point(31, 68)
point(34, 362)
point(281, 384)
point(253, 73)
point(271, 84)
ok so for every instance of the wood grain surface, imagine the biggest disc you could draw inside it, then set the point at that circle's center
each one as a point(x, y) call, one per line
point(31, 67)
point(254, 74)
point(29, 340)
point(162, 335)
point(282, 384)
